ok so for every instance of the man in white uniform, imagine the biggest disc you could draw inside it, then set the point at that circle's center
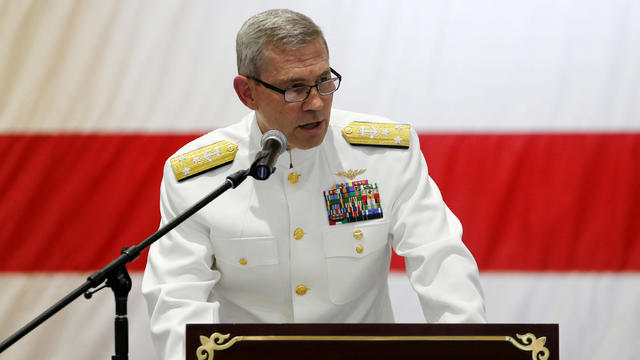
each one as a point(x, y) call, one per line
point(313, 242)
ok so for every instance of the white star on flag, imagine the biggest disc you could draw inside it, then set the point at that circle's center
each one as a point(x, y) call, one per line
point(397, 140)
point(181, 158)
point(399, 127)
point(196, 160)
point(186, 171)
point(385, 132)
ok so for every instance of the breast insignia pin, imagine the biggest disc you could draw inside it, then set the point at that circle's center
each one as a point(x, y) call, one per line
point(350, 174)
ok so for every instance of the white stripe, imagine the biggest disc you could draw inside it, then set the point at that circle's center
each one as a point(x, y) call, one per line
point(597, 313)
point(447, 65)
point(82, 330)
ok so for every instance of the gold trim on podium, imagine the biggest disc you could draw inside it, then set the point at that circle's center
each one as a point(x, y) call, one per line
point(216, 341)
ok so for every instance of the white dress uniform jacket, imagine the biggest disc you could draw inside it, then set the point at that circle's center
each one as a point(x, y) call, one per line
point(238, 260)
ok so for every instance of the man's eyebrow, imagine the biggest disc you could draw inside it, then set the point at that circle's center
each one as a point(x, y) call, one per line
point(297, 79)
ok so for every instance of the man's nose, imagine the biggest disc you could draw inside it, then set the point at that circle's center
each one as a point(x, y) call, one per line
point(315, 101)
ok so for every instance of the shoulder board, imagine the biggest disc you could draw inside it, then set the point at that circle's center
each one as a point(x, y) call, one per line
point(377, 134)
point(203, 159)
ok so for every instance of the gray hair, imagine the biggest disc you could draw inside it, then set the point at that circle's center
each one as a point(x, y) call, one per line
point(280, 29)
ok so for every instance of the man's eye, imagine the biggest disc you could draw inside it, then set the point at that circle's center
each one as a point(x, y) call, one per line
point(297, 86)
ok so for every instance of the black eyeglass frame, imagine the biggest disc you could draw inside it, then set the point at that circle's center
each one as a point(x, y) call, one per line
point(309, 87)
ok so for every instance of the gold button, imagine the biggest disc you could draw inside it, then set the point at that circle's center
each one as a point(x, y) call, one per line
point(359, 249)
point(243, 261)
point(293, 178)
point(301, 290)
point(358, 234)
point(298, 233)
point(348, 130)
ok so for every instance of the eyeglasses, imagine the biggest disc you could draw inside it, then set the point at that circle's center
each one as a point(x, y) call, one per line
point(298, 93)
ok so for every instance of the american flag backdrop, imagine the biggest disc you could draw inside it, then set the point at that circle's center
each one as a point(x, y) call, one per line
point(528, 114)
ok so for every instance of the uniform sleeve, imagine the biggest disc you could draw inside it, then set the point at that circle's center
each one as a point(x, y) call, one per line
point(178, 279)
point(425, 232)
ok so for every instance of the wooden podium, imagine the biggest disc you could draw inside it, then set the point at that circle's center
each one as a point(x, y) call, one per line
point(372, 341)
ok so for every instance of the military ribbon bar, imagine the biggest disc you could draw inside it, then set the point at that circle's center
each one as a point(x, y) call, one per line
point(353, 201)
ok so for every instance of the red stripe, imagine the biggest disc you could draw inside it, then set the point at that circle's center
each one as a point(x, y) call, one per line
point(71, 202)
point(543, 202)
point(527, 202)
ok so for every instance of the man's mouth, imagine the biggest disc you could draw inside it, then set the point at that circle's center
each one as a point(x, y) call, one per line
point(312, 125)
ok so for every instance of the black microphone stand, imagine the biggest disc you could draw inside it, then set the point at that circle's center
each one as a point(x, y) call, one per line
point(117, 278)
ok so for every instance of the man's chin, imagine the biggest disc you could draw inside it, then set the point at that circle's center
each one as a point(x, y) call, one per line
point(306, 139)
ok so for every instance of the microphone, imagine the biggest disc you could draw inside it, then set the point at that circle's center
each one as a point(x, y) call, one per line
point(273, 144)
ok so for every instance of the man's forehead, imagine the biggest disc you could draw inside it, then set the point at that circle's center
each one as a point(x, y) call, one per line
point(311, 60)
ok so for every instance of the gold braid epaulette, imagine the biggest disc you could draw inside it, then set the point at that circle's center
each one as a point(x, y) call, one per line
point(377, 134)
point(205, 158)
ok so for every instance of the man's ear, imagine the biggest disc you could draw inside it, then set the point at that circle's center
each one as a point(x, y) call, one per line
point(243, 89)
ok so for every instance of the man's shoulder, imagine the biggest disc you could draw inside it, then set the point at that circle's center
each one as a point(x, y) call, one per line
point(210, 151)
